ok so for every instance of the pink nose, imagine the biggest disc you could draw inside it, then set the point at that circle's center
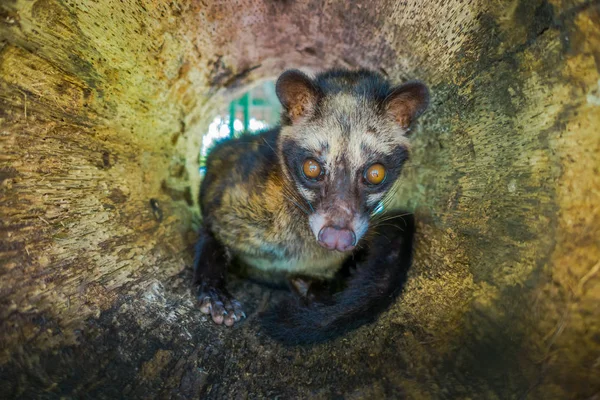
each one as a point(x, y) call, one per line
point(337, 239)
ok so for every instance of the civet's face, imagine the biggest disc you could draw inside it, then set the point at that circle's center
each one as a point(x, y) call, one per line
point(343, 145)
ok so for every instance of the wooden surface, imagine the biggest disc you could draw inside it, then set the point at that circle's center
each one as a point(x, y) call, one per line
point(102, 108)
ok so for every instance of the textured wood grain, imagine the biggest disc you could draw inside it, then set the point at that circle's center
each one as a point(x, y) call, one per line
point(102, 107)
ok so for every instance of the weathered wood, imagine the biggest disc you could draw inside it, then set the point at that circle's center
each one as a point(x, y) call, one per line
point(102, 107)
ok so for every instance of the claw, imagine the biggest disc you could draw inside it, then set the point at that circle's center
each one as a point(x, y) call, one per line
point(220, 305)
point(218, 319)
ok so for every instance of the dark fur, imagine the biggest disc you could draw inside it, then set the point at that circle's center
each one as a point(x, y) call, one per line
point(234, 202)
point(381, 271)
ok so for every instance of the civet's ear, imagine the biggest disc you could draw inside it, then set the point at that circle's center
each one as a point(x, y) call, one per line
point(297, 93)
point(406, 102)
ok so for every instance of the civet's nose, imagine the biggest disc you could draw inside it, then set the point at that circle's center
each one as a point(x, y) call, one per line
point(337, 239)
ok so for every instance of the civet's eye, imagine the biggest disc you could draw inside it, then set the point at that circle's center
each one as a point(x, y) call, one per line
point(312, 169)
point(375, 174)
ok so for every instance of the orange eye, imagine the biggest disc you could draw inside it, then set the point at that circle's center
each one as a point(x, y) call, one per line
point(375, 174)
point(312, 169)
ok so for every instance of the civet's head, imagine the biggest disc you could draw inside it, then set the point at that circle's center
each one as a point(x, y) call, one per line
point(343, 142)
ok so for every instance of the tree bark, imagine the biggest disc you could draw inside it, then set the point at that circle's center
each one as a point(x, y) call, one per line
point(102, 109)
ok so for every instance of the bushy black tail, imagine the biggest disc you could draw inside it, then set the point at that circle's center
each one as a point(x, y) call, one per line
point(377, 281)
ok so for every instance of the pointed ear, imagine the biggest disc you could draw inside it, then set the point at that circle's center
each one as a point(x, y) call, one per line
point(406, 102)
point(297, 93)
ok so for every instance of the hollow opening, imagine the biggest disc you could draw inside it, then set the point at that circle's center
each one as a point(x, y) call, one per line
point(255, 110)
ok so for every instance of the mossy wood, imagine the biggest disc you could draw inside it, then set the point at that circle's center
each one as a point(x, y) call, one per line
point(102, 108)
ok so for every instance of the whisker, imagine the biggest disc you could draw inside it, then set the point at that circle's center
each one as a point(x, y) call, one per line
point(287, 190)
point(392, 225)
point(267, 143)
point(296, 204)
point(384, 217)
